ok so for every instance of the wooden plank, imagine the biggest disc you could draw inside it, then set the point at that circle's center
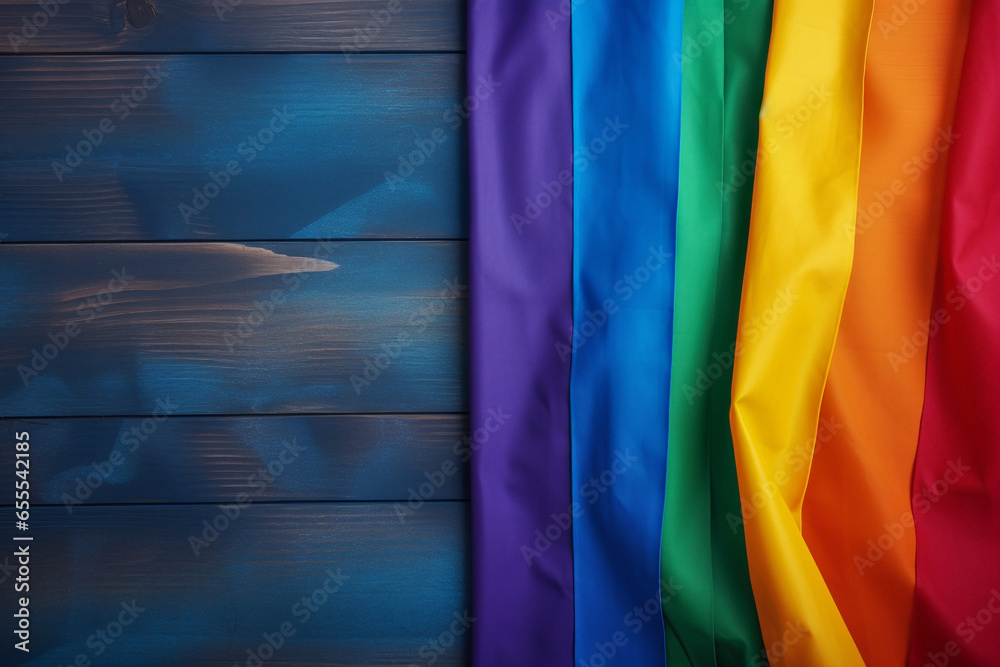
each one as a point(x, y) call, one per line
point(401, 585)
point(162, 26)
point(309, 140)
point(222, 328)
point(214, 459)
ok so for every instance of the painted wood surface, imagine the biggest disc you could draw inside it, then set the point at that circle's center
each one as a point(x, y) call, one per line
point(169, 459)
point(347, 27)
point(266, 244)
point(231, 147)
point(400, 585)
point(222, 328)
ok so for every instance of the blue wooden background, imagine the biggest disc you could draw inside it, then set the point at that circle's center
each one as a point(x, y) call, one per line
point(233, 314)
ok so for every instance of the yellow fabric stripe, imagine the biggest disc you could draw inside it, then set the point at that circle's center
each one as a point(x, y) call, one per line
point(798, 267)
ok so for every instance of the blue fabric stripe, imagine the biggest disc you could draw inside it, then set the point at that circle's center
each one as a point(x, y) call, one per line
point(626, 106)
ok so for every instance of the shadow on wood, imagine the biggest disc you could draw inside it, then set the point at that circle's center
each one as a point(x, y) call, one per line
point(233, 147)
point(222, 328)
point(398, 586)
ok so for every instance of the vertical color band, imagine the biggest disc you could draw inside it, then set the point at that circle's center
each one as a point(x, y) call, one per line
point(703, 550)
point(626, 102)
point(520, 282)
point(957, 603)
point(798, 265)
point(863, 539)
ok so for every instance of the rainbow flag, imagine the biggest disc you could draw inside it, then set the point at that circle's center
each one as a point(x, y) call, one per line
point(736, 295)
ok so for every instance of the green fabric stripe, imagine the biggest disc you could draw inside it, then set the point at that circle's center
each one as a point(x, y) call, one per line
point(686, 542)
point(709, 610)
point(738, 637)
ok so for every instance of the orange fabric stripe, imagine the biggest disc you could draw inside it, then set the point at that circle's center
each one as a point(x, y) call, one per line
point(857, 517)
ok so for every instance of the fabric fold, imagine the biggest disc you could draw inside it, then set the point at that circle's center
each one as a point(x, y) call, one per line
point(956, 482)
point(797, 270)
point(722, 60)
point(520, 310)
point(864, 541)
point(626, 102)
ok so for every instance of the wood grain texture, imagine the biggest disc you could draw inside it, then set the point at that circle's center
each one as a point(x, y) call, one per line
point(164, 26)
point(246, 319)
point(221, 328)
point(402, 585)
point(310, 140)
point(215, 459)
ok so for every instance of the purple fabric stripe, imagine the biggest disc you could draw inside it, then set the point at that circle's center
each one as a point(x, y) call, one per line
point(521, 245)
